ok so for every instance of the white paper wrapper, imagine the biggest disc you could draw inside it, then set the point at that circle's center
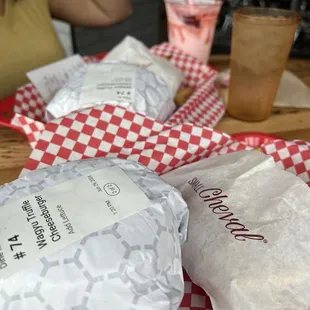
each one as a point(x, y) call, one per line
point(249, 234)
point(134, 264)
point(132, 51)
point(134, 88)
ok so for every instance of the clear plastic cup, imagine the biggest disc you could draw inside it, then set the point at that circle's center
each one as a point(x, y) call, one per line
point(191, 26)
point(261, 42)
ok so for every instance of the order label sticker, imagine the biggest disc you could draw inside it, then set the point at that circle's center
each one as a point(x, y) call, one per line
point(108, 82)
point(43, 223)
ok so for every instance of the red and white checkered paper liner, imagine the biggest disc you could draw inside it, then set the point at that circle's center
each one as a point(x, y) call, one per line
point(111, 131)
point(204, 107)
point(31, 128)
point(114, 131)
point(293, 156)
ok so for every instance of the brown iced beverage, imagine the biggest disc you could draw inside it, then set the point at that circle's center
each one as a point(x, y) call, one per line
point(261, 42)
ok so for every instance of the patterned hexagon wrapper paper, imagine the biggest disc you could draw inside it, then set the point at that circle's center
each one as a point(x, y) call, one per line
point(134, 88)
point(134, 264)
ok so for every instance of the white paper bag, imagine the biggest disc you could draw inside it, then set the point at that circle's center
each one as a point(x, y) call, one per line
point(132, 51)
point(249, 232)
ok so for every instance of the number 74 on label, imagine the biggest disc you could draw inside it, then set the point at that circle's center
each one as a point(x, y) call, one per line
point(13, 241)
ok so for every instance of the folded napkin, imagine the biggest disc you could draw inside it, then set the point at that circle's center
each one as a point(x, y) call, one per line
point(292, 92)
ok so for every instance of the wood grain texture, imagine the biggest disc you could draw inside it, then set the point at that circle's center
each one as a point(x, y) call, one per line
point(286, 123)
point(277, 123)
point(14, 151)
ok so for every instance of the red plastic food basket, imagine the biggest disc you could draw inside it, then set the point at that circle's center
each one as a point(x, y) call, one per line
point(254, 139)
point(7, 113)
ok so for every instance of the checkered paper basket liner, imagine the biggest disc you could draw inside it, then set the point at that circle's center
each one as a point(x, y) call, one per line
point(293, 156)
point(31, 128)
point(203, 108)
point(111, 131)
point(195, 297)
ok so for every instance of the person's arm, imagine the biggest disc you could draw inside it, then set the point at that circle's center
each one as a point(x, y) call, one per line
point(93, 13)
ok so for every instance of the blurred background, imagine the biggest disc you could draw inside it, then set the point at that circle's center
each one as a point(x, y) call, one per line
point(148, 23)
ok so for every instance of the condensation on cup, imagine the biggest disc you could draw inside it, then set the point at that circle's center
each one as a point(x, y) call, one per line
point(191, 25)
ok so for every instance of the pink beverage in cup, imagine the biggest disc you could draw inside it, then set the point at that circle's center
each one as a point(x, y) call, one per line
point(191, 26)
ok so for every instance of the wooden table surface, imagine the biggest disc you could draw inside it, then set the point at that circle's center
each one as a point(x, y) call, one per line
point(289, 124)
point(285, 123)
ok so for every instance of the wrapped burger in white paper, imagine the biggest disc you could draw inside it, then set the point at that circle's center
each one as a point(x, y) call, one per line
point(249, 235)
point(130, 86)
point(92, 234)
point(132, 51)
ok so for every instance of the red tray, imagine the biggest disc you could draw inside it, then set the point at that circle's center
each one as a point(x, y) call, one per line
point(254, 139)
point(7, 113)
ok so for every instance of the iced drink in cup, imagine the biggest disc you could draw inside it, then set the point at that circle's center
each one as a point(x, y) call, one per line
point(261, 42)
point(191, 26)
